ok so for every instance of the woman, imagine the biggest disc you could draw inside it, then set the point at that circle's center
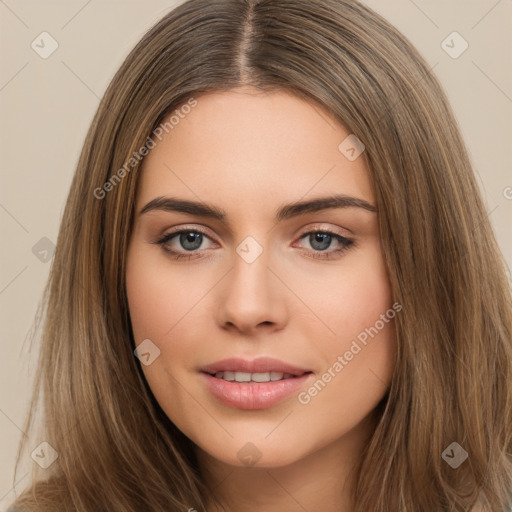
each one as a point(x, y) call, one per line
point(275, 285)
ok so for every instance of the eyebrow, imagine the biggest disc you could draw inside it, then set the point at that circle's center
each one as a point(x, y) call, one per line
point(170, 204)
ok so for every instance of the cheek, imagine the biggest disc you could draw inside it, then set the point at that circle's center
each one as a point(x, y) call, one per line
point(349, 300)
point(358, 360)
point(159, 296)
point(355, 378)
point(167, 306)
point(160, 303)
point(359, 352)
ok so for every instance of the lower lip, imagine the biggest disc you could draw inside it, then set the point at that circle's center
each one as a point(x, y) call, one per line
point(254, 395)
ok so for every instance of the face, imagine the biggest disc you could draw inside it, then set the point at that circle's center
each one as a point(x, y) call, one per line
point(238, 270)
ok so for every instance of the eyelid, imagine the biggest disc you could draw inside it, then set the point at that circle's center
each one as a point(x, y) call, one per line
point(319, 226)
point(179, 229)
point(325, 228)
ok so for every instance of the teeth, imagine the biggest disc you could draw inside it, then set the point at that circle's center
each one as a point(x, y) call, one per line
point(253, 377)
point(261, 377)
point(242, 377)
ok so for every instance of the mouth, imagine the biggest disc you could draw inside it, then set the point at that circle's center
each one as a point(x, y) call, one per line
point(243, 370)
point(256, 384)
point(246, 377)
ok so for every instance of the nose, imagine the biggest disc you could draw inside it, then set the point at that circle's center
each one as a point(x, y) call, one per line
point(251, 299)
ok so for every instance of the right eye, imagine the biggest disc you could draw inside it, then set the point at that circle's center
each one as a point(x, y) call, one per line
point(183, 243)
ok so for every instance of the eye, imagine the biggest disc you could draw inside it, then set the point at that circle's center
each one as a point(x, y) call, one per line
point(322, 240)
point(186, 243)
point(187, 240)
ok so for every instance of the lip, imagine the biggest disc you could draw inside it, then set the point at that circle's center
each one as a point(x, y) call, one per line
point(259, 365)
point(253, 395)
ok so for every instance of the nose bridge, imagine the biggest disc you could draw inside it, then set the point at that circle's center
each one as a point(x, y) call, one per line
point(250, 295)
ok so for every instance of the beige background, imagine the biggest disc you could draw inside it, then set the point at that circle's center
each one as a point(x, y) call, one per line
point(47, 105)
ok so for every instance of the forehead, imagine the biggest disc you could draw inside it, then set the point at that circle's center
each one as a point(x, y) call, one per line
point(256, 147)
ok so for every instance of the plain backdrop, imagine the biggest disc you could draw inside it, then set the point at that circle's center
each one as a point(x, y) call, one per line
point(47, 104)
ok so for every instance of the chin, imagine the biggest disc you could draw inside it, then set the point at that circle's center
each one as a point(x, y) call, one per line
point(258, 454)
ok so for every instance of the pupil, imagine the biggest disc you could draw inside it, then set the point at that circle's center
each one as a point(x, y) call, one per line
point(320, 241)
point(191, 241)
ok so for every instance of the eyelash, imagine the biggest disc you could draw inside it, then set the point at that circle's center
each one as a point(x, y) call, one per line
point(345, 243)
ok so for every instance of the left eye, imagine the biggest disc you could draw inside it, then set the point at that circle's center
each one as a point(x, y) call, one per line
point(320, 241)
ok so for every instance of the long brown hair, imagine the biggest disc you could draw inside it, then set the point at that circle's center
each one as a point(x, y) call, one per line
point(453, 376)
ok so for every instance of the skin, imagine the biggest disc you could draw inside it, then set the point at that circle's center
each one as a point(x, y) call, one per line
point(249, 153)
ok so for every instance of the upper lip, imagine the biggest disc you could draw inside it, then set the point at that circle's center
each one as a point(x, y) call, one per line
point(259, 365)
